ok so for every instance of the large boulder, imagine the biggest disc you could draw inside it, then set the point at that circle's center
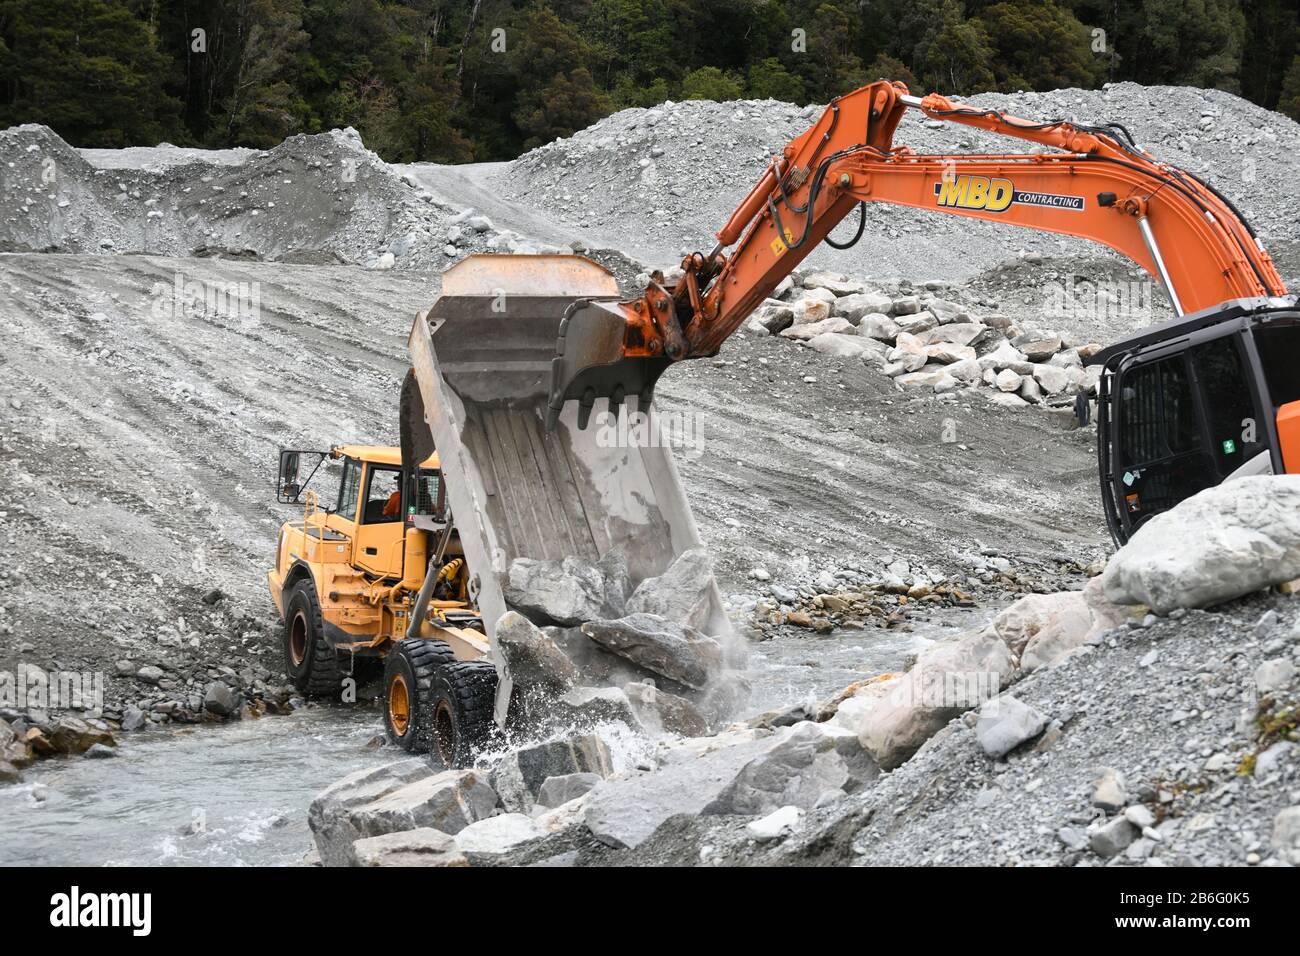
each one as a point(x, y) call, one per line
point(678, 652)
point(494, 836)
point(521, 773)
point(447, 801)
point(859, 304)
point(660, 712)
point(1022, 621)
point(560, 592)
point(843, 345)
point(625, 811)
point(597, 666)
point(947, 680)
point(532, 658)
point(1221, 543)
point(798, 768)
point(328, 814)
point(72, 735)
point(683, 593)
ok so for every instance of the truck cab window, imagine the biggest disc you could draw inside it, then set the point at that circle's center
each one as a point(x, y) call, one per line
point(348, 489)
point(383, 496)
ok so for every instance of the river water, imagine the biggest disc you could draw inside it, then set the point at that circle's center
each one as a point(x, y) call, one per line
point(237, 794)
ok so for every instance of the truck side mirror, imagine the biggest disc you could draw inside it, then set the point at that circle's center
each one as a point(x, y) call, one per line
point(287, 486)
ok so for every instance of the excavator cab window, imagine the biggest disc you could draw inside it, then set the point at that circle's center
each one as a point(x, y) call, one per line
point(1186, 421)
point(1278, 344)
point(428, 493)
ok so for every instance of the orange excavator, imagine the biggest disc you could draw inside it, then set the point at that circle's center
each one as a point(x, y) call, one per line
point(517, 355)
point(1181, 405)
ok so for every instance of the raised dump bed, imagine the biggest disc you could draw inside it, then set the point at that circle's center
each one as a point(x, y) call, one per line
point(481, 359)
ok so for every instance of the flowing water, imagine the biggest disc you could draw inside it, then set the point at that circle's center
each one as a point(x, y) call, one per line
point(237, 794)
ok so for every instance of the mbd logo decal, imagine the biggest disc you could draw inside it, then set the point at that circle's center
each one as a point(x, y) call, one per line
point(996, 195)
point(975, 192)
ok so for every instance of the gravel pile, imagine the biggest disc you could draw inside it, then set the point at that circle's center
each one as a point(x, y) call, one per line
point(671, 175)
point(313, 199)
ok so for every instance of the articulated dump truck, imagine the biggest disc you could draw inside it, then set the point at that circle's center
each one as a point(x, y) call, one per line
point(480, 481)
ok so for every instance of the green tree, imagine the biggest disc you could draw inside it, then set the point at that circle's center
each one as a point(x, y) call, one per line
point(1040, 46)
point(770, 80)
point(88, 69)
point(710, 83)
point(1289, 99)
point(955, 53)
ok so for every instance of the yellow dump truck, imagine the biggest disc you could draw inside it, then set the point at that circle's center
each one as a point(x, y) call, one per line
point(407, 562)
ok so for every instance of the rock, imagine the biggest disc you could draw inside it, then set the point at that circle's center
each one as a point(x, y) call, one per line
point(9, 773)
point(559, 592)
point(1221, 543)
point(811, 310)
point(947, 679)
point(559, 790)
point(447, 801)
point(424, 846)
point(1006, 356)
point(1112, 838)
point(1007, 381)
point(947, 353)
point(967, 372)
point(99, 752)
point(1109, 791)
point(521, 773)
point(595, 665)
point(810, 330)
point(683, 593)
point(843, 345)
point(959, 333)
point(531, 657)
point(1030, 390)
point(72, 735)
point(1286, 835)
point(678, 652)
point(587, 706)
point(775, 318)
point(133, 718)
point(327, 816)
point(1274, 675)
point(1022, 621)
point(1139, 816)
point(879, 327)
point(150, 674)
point(1051, 379)
point(858, 305)
point(661, 712)
point(797, 768)
point(625, 811)
point(906, 305)
point(1037, 348)
point(838, 285)
point(219, 699)
point(916, 323)
point(934, 378)
point(1271, 760)
point(776, 825)
point(496, 835)
point(1005, 723)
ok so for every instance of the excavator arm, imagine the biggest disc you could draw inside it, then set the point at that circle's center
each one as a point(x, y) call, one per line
point(1094, 183)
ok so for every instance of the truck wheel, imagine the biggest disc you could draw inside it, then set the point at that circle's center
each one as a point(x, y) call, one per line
point(310, 661)
point(409, 671)
point(464, 693)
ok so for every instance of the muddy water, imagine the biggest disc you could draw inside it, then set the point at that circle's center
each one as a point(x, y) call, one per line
point(238, 794)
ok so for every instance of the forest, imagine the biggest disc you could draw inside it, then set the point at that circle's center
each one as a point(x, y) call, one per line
point(476, 80)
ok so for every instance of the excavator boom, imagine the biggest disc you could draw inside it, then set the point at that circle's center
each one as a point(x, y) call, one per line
point(1096, 184)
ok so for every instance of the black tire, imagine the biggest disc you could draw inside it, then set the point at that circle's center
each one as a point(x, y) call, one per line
point(409, 671)
point(464, 693)
point(310, 661)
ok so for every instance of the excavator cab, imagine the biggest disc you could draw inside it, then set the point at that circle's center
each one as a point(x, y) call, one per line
point(1187, 404)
